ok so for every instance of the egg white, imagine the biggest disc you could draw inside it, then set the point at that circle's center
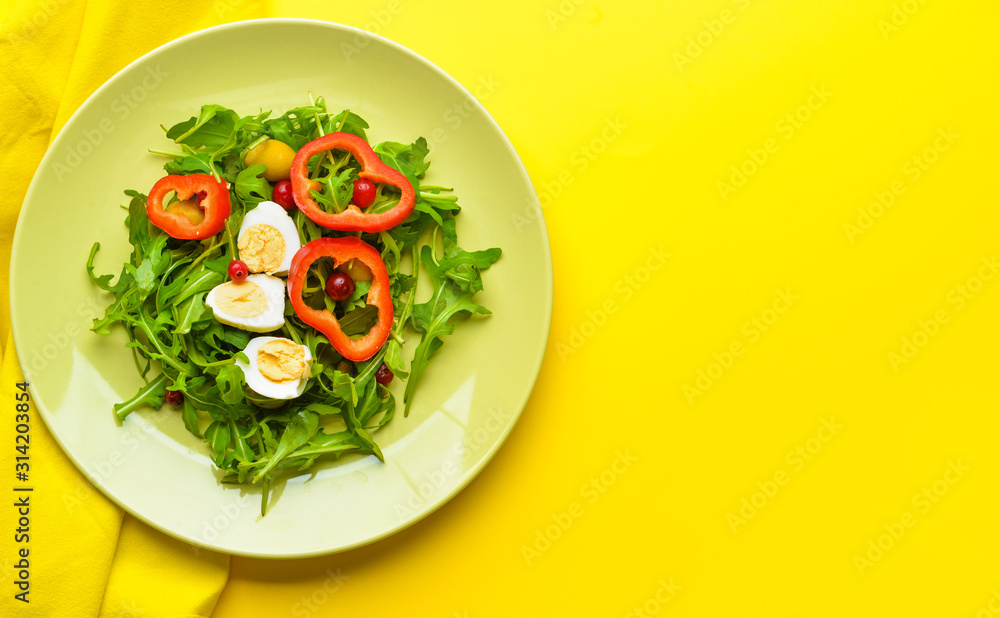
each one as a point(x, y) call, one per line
point(273, 316)
point(260, 384)
point(269, 213)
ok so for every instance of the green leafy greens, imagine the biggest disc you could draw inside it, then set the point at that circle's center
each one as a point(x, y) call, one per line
point(177, 345)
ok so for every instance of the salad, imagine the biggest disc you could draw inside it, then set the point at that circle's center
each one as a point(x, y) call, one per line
point(273, 279)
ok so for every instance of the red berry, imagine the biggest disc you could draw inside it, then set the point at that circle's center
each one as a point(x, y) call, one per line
point(339, 286)
point(176, 398)
point(364, 192)
point(282, 195)
point(238, 270)
point(384, 375)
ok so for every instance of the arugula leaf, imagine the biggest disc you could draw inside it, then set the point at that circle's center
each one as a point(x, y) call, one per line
point(138, 228)
point(407, 159)
point(341, 385)
point(211, 129)
point(356, 426)
point(251, 187)
point(323, 444)
point(433, 319)
point(356, 299)
point(359, 321)
point(152, 266)
point(190, 415)
point(387, 409)
point(190, 311)
point(104, 281)
point(400, 285)
point(439, 207)
point(218, 436)
point(242, 451)
point(151, 395)
point(218, 334)
point(197, 163)
point(464, 268)
point(230, 383)
point(394, 358)
point(341, 188)
point(300, 430)
point(211, 401)
point(323, 409)
point(201, 281)
point(348, 122)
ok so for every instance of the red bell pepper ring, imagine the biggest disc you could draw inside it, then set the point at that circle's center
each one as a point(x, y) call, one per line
point(372, 168)
point(343, 250)
point(213, 199)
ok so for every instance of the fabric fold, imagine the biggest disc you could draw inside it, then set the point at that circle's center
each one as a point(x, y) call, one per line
point(84, 556)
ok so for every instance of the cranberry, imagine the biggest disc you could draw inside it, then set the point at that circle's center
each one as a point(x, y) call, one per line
point(282, 195)
point(238, 270)
point(364, 192)
point(339, 286)
point(176, 398)
point(384, 375)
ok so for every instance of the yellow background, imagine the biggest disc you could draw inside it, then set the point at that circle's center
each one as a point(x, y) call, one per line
point(628, 116)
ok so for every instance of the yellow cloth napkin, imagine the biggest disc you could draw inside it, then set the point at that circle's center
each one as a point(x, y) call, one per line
point(86, 557)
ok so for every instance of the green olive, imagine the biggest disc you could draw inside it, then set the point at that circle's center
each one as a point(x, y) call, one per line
point(356, 270)
point(275, 156)
point(189, 209)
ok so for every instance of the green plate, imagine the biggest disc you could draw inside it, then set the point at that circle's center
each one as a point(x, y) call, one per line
point(474, 390)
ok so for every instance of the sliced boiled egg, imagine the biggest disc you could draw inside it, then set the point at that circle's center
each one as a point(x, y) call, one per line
point(278, 368)
point(256, 304)
point(268, 239)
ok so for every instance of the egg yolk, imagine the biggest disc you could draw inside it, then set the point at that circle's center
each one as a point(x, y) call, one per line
point(262, 248)
point(281, 360)
point(241, 299)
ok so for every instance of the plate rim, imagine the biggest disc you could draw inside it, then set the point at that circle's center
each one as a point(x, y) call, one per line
point(473, 471)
